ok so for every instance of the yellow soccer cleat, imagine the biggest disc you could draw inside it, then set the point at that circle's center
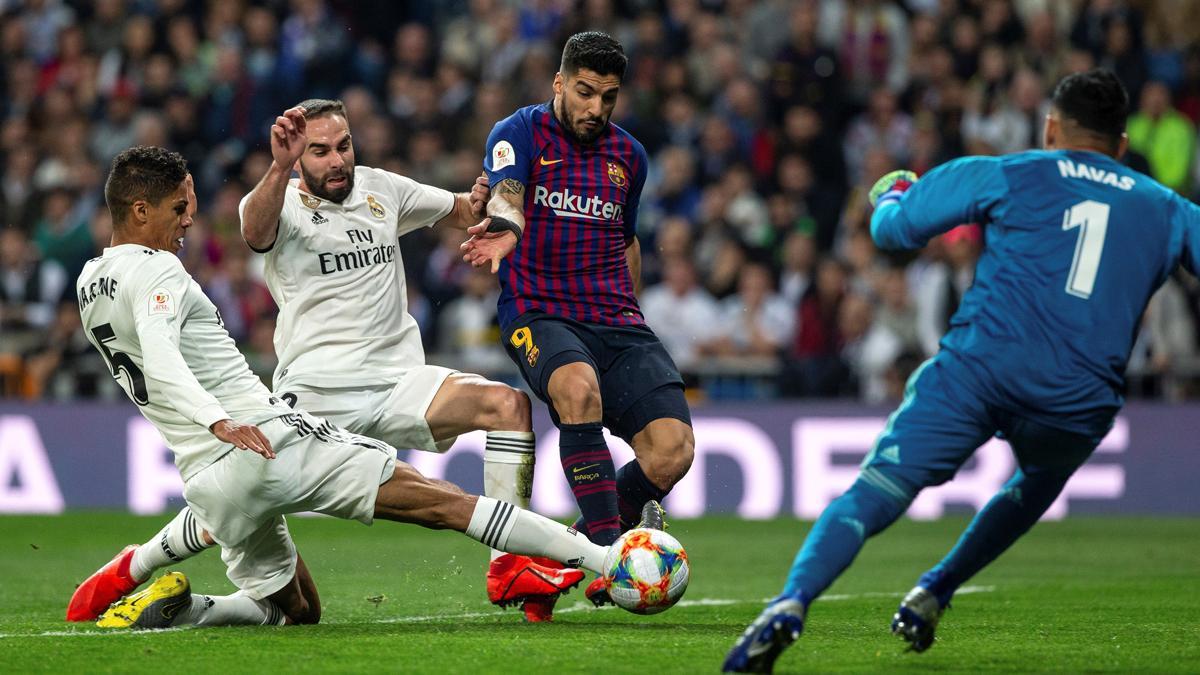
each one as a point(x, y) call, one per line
point(155, 607)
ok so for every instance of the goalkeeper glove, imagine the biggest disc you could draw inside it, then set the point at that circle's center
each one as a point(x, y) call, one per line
point(890, 187)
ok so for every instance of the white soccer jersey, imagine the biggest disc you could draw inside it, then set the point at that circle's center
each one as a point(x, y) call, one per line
point(336, 274)
point(165, 343)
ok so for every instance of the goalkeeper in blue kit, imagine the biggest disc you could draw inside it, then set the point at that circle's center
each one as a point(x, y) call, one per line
point(1076, 244)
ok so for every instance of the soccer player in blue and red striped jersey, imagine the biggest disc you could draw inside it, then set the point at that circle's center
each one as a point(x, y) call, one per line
point(561, 234)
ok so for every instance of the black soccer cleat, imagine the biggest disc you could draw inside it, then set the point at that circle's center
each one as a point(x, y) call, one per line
point(654, 517)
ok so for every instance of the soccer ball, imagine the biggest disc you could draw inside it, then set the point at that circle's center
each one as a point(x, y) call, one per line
point(646, 571)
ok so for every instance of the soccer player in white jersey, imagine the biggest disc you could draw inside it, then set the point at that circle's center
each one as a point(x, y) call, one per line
point(348, 349)
point(247, 458)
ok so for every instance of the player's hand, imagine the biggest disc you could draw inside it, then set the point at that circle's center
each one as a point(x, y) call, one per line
point(243, 436)
point(192, 206)
point(891, 186)
point(288, 137)
point(484, 247)
point(479, 195)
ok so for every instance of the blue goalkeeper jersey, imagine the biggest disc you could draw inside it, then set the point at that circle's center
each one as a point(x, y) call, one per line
point(1076, 244)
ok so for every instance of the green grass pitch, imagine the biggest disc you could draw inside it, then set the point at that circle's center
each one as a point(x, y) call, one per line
point(1082, 595)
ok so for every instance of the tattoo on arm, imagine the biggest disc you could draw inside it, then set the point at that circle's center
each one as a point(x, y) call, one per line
point(508, 201)
point(511, 186)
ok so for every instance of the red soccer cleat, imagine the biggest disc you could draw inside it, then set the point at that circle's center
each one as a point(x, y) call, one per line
point(540, 609)
point(512, 579)
point(597, 592)
point(107, 585)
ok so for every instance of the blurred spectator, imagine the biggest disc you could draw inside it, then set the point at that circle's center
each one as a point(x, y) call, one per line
point(1122, 56)
point(316, 43)
point(469, 330)
point(16, 190)
point(683, 315)
point(882, 126)
point(240, 298)
point(798, 261)
point(799, 188)
point(942, 284)
point(872, 39)
point(804, 72)
point(115, 132)
point(60, 234)
point(815, 366)
point(30, 289)
point(675, 193)
point(43, 20)
point(259, 349)
point(891, 334)
point(1043, 50)
point(468, 38)
point(1164, 136)
point(1001, 122)
point(1168, 337)
point(754, 322)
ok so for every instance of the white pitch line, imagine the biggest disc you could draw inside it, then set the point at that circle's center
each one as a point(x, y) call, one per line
point(577, 607)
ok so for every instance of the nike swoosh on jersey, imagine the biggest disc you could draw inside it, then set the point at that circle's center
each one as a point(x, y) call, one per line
point(577, 469)
point(546, 162)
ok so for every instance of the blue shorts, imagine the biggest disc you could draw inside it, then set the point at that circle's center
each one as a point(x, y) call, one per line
point(639, 382)
point(945, 417)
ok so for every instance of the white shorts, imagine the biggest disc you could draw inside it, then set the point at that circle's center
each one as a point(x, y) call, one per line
point(241, 498)
point(395, 413)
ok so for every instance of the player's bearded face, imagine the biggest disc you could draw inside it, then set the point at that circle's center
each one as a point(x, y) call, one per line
point(584, 102)
point(333, 185)
point(327, 165)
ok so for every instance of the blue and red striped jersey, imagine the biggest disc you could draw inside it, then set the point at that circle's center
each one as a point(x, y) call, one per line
point(580, 214)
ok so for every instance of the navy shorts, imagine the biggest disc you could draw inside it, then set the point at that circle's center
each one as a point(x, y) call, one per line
point(639, 382)
point(943, 420)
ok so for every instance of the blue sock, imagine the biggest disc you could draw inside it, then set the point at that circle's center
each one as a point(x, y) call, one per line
point(589, 468)
point(837, 537)
point(634, 489)
point(1010, 514)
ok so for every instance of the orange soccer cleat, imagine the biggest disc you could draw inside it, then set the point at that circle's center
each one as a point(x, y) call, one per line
point(106, 585)
point(517, 579)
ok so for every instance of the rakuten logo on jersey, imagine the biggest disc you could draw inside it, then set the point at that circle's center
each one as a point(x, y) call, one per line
point(563, 203)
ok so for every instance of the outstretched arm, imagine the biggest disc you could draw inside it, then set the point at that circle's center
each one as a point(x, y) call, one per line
point(469, 207)
point(497, 235)
point(261, 208)
point(966, 190)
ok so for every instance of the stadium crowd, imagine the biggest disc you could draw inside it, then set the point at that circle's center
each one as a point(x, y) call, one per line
point(765, 122)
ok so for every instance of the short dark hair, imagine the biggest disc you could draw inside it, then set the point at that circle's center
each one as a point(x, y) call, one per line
point(596, 51)
point(322, 107)
point(1096, 100)
point(143, 172)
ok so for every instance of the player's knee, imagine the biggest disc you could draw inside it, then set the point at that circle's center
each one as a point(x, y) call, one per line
point(672, 450)
point(303, 612)
point(311, 616)
point(508, 409)
point(578, 401)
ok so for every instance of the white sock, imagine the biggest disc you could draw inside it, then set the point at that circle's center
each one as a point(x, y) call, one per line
point(508, 528)
point(508, 469)
point(181, 539)
point(230, 610)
